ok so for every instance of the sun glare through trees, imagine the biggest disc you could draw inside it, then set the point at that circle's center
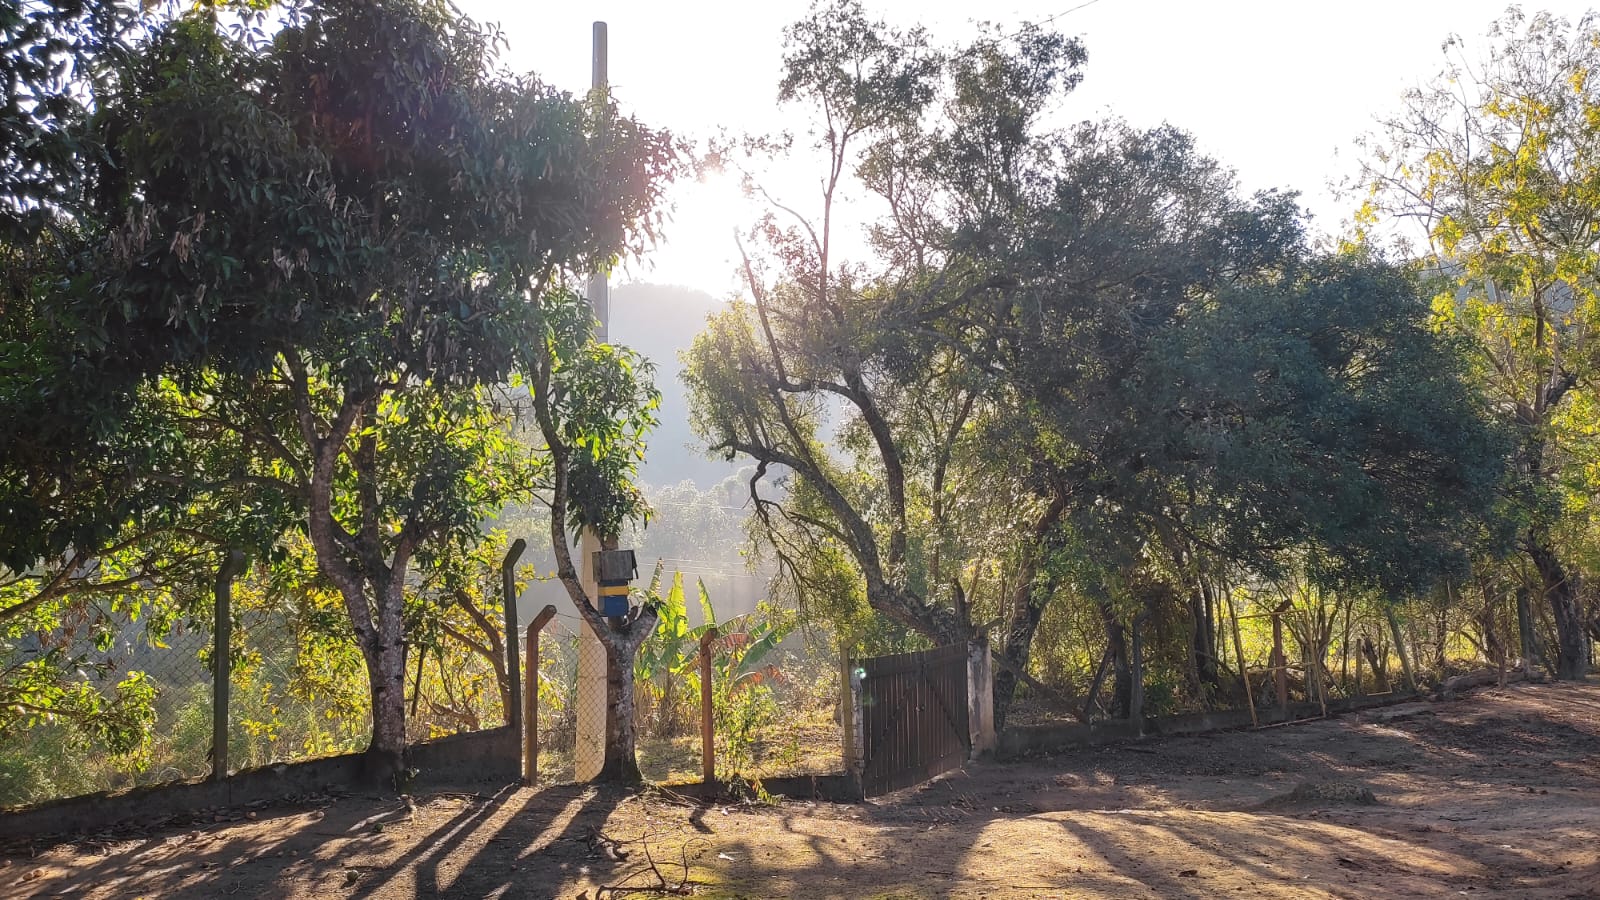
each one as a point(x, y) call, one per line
point(545, 456)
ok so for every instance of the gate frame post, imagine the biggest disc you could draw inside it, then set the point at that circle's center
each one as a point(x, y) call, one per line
point(980, 699)
point(850, 715)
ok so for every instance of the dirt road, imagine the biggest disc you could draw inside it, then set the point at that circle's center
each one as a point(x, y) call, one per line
point(1496, 794)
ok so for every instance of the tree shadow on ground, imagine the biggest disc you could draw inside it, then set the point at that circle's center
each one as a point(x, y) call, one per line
point(1169, 818)
point(1477, 797)
point(202, 862)
point(359, 847)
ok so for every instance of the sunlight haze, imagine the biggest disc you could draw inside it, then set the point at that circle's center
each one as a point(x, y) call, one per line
point(1276, 90)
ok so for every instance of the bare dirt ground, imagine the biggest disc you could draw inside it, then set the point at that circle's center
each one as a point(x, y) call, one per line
point(1496, 794)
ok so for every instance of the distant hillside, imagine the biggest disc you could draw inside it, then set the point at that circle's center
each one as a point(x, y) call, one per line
point(660, 321)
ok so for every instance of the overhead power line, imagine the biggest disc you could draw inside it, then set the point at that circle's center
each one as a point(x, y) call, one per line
point(1031, 26)
point(1066, 12)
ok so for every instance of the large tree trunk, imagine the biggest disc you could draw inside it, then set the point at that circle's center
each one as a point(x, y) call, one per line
point(355, 564)
point(1202, 613)
point(382, 642)
point(386, 679)
point(1379, 664)
point(386, 675)
point(1027, 609)
point(1015, 651)
point(621, 761)
point(1531, 656)
point(1572, 651)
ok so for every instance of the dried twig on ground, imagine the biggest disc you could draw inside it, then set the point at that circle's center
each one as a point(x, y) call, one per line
point(656, 882)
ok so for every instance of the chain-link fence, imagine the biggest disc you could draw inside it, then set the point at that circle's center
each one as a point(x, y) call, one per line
point(557, 706)
point(167, 665)
point(298, 690)
point(774, 710)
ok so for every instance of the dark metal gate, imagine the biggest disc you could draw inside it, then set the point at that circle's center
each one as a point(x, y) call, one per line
point(913, 717)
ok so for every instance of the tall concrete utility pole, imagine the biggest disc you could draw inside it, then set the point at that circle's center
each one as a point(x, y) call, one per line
point(589, 754)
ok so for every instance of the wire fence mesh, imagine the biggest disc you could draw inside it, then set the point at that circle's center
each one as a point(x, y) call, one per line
point(50, 758)
point(298, 691)
point(780, 718)
point(776, 718)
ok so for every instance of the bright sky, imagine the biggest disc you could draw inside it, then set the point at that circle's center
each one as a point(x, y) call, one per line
point(1276, 89)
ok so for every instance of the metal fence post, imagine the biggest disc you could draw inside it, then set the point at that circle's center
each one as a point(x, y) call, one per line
point(508, 591)
point(708, 737)
point(530, 699)
point(221, 667)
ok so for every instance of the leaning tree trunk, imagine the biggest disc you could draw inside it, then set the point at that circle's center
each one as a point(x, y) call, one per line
point(1027, 609)
point(1400, 649)
point(1531, 656)
point(1015, 652)
point(1572, 651)
point(1121, 668)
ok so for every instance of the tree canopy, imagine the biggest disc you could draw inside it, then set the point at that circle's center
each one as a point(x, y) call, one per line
point(1494, 166)
point(1087, 331)
point(316, 252)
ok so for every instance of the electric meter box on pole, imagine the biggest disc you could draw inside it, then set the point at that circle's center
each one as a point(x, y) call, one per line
point(613, 570)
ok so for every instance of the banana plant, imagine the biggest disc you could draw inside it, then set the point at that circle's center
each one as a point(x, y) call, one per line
point(667, 664)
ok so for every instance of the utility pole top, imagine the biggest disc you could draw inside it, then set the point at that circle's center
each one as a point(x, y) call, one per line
point(599, 289)
point(600, 55)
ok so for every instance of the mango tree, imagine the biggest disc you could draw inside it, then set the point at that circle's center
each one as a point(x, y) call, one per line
point(342, 236)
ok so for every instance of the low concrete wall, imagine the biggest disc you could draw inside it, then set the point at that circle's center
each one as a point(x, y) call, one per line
point(494, 755)
point(1024, 740)
point(491, 756)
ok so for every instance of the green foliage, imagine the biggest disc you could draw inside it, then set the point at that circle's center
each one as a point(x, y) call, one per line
point(268, 270)
point(1323, 406)
point(53, 60)
point(1498, 162)
point(600, 401)
point(667, 667)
